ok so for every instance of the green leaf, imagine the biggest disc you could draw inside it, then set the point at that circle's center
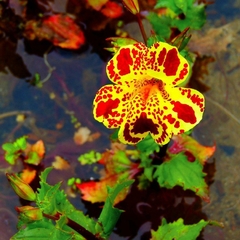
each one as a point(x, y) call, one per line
point(148, 145)
point(50, 199)
point(33, 158)
point(178, 231)
point(110, 215)
point(45, 229)
point(179, 171)
point(21, 143)
point(12, 150)
point(114, 135)
point(119, 42)
point(143, 182)
point(161, 25)
point(89, 157)
point(168, 4)
point(195, 18)
point(182, 4)
point(9, 147)
point(153, 39)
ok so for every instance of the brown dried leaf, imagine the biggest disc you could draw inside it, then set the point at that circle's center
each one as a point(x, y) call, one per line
point(215, 39)
point(60, 163)
point(81, 136)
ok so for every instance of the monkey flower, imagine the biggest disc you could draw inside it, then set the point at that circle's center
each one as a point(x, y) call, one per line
point(145, 98)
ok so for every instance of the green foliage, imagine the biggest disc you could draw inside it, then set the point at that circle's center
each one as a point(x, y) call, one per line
point(45, 229)
point(110, 215)
point(148, 145)
point(60, 218)
point(13, 150)
point(161, 25)
point(178, 231)
point(178, 171)
point(72, 181)
point(89, 157)
point(33, 158)
point(194, 16)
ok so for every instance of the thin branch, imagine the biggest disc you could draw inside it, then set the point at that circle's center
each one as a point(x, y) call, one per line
point(75, 226)
point(50, 68)
point(13, 113)
point(142, 28)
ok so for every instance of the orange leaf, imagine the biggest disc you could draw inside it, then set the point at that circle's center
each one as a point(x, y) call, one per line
point(186, 143)
point(39, 148)
point(112, 10)
point(97, 4)
point(97, 191)
point(28, 174)
point(60, 29)
point(117, 167)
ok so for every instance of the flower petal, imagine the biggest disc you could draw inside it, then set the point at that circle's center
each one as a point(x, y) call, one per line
point(184, 110)
point(161, 113)
point(167, 64)
point(161, 61)
point(111, 104)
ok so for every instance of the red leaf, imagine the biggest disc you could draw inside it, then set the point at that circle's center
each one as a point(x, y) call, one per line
point(112, 10)
point(185, 143)
point(61, 30)
point(117, 167)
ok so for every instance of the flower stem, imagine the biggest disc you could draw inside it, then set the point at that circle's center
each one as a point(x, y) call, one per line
point(75, 226)
point(141, 28)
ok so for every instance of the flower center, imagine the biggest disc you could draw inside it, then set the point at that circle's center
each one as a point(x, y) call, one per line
point(151, 87)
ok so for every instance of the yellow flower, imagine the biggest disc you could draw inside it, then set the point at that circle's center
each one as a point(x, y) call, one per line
point(145, 98)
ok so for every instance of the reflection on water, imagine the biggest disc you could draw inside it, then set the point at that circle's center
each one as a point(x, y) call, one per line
point(70, 91)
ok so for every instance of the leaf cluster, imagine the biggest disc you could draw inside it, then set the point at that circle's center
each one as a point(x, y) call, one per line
point(14, 150)
point(179, 14)
point(59, 219)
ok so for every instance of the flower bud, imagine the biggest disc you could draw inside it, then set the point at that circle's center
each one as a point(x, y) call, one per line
point(132, 6)
point(30, 213)
point(21, 188)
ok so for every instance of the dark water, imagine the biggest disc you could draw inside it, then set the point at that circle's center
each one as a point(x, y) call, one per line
point(74, 82)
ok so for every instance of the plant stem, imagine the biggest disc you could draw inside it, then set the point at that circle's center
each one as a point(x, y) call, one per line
point(141, 28)
point(75, 226)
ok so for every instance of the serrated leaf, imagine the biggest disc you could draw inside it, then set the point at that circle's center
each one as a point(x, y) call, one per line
point(51, 200)
point(161, 25)
point(45, 229)
point(195, 18)
point(110, 215)
point(178, 171)
point(178, 231)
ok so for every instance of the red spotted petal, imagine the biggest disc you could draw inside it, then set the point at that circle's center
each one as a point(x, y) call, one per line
point(161, 111)
point(161, 61)
point(111, 105)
